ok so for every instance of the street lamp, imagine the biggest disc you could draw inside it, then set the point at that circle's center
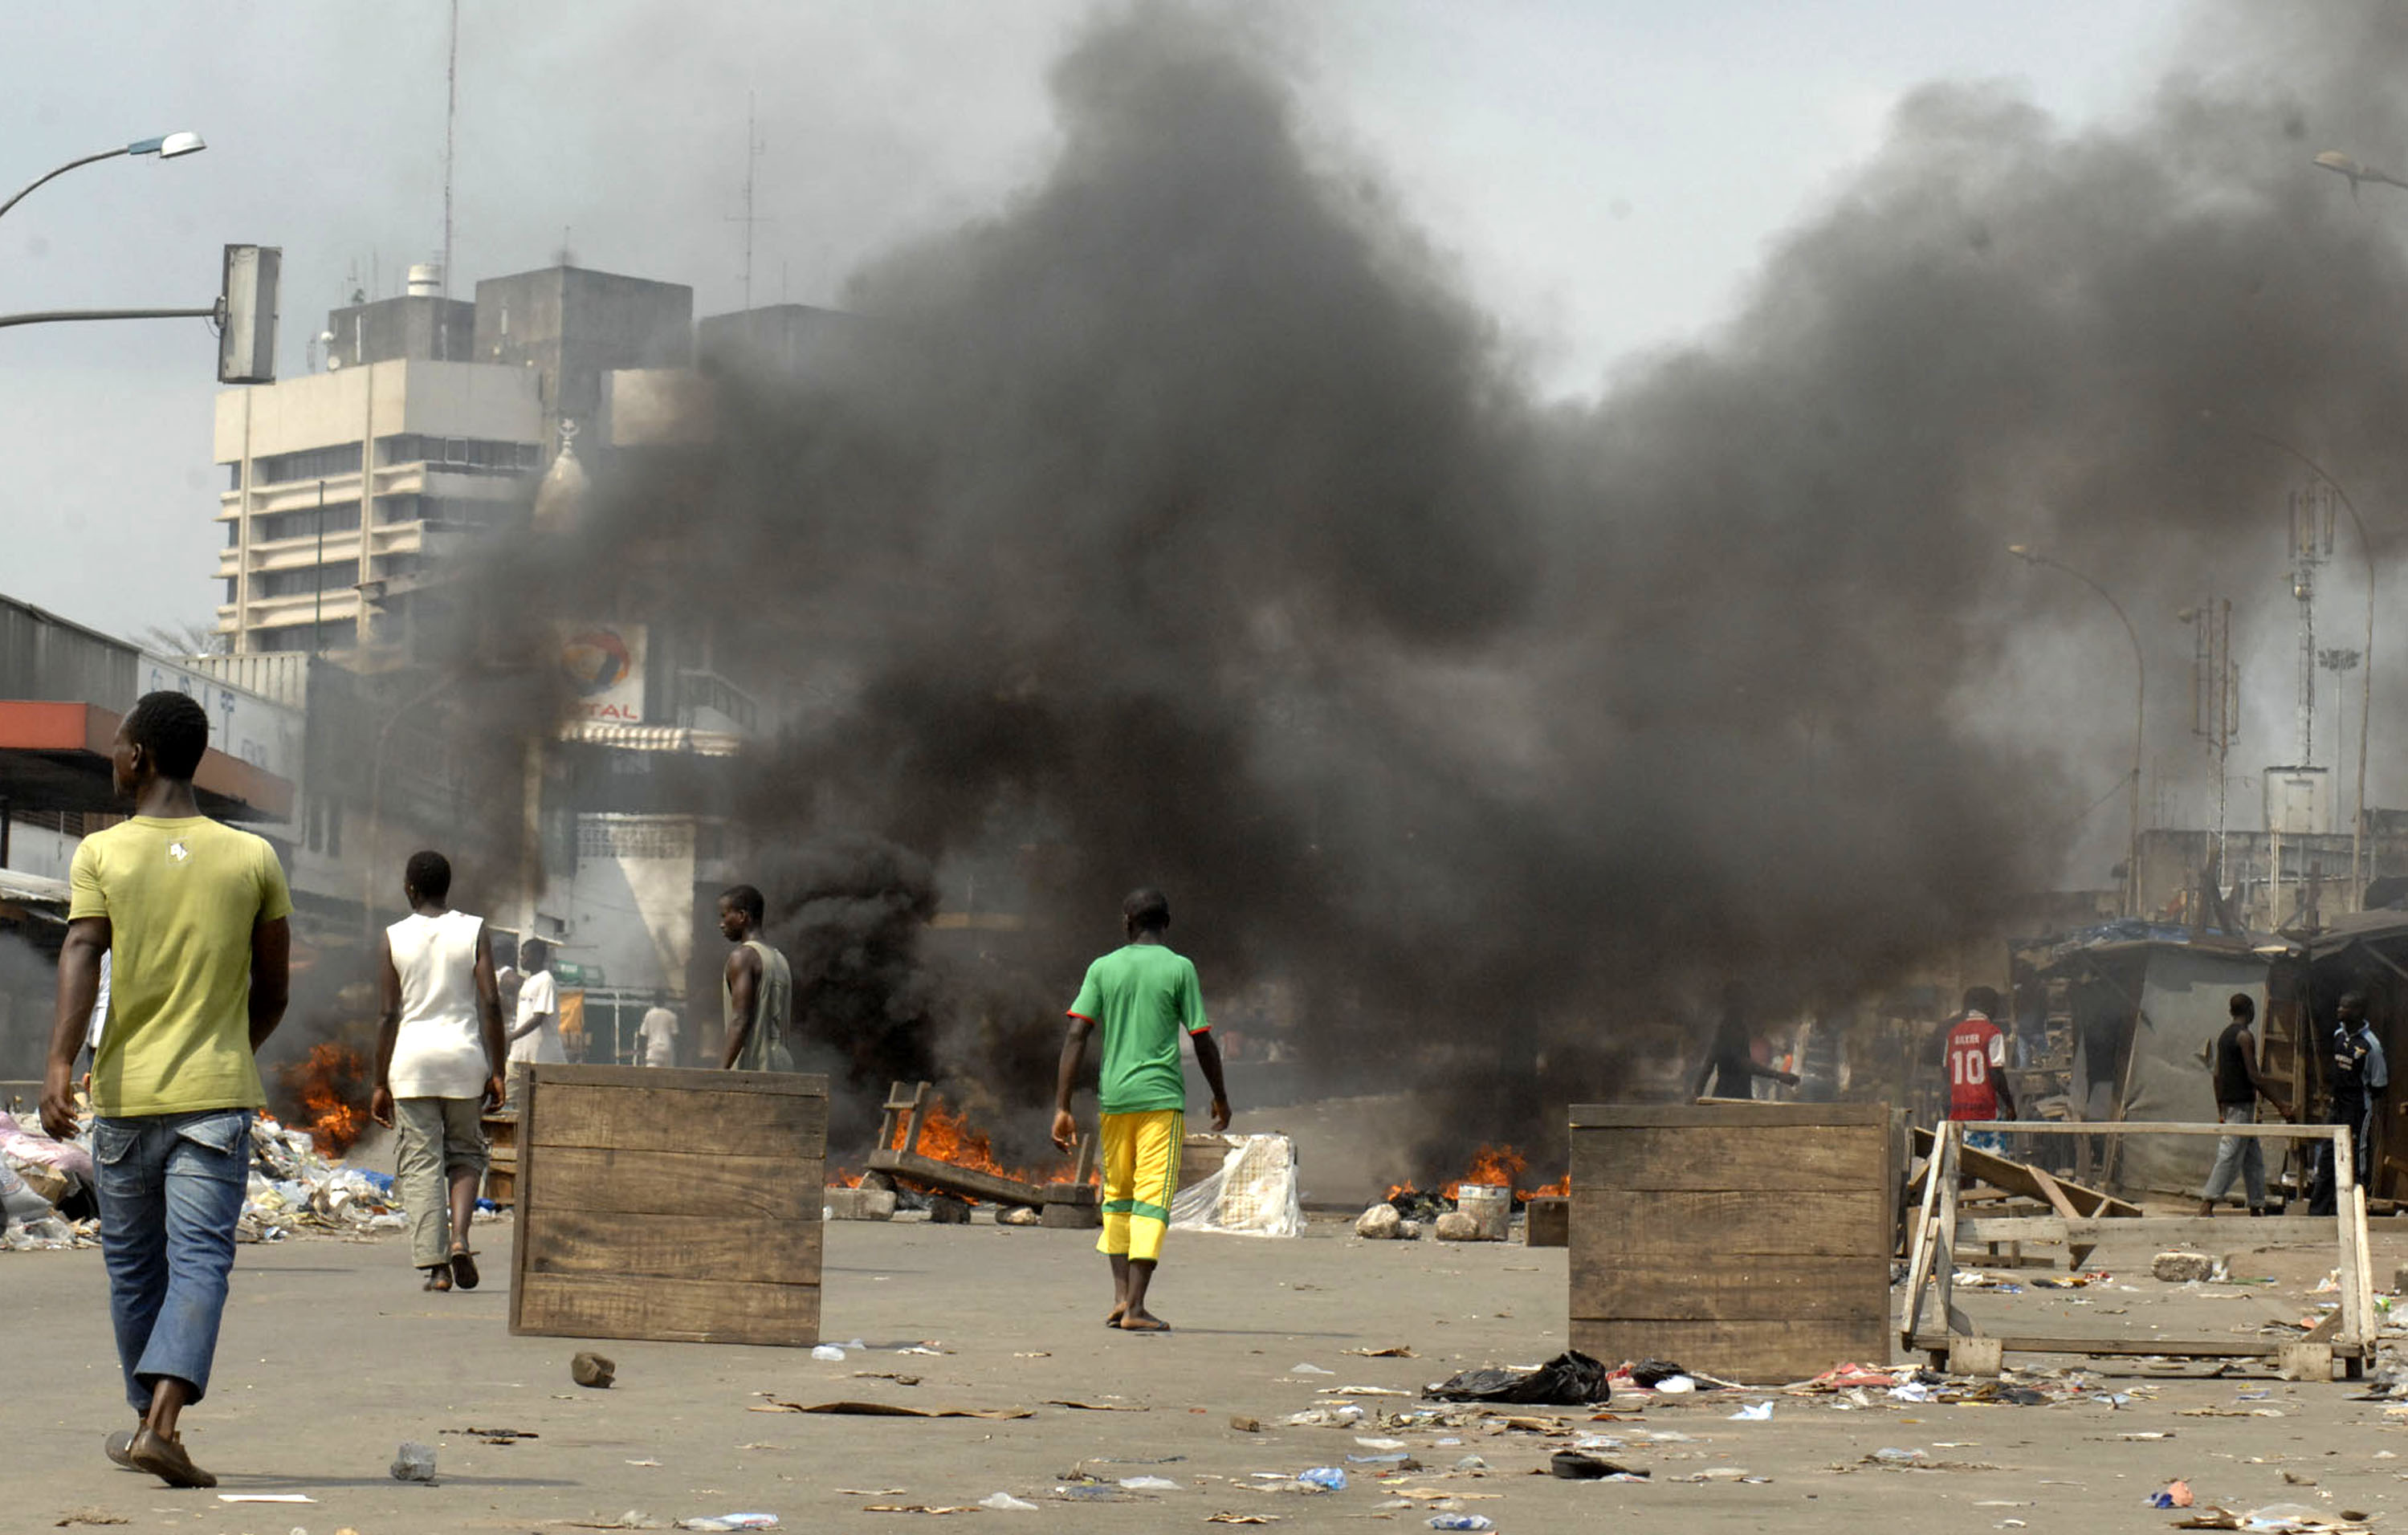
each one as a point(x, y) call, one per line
point(167, 147)
point(2140, 695)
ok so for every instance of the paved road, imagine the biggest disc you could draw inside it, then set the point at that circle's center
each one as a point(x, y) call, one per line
point(332, 1357)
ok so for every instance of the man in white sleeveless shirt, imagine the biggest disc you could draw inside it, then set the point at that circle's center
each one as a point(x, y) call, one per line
point(439, 1059)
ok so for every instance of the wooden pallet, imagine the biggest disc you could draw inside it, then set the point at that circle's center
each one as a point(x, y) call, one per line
point(1940, 1230)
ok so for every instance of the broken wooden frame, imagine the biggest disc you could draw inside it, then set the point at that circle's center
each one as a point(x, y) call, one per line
point(898, 1156)
point(2351, 1332)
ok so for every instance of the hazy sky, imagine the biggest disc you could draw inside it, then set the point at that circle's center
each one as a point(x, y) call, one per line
point(1607, 175)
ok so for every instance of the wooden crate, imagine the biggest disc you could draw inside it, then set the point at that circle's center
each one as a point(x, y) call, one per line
point(1751, 1243)
point(682, 1206)
point(502, 1157)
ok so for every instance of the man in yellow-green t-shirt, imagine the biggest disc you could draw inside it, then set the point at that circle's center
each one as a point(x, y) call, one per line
point(193, 917)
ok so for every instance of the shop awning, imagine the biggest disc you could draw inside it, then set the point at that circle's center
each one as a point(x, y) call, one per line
point(54, 757)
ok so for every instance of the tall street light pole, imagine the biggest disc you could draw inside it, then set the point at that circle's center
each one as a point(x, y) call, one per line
point(167, 147)
point(2366, 677)
point(2139, 699)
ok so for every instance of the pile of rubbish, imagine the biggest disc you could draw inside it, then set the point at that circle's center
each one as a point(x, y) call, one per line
point(293, 1186)
point(45, 1191)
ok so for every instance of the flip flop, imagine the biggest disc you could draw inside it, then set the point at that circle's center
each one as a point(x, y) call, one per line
point(439, 1278)
point(1157, 1325)
point(464, 1268)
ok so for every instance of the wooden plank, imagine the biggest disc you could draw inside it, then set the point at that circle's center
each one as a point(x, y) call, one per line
point(1654, 1116)
point(2237, 1231)
point(759, 1249)
point(686, 1079)
point(2019, 1178)
point(2120, 1128)
point(2369, 1326)
point(965, 1181)
point(2228, 1346)
point(705, 1120)
point(2054, 1195)
point(1708, 1287)
point(1762, 1353)
point(651, 1182)
point(1809, 1223)
point(685, 1312)
point(1728, 1156)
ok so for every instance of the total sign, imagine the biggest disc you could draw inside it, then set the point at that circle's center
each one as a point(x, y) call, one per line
point(604, 665)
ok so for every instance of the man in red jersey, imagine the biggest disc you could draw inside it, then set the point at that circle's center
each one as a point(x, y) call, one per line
point(1977, 1069)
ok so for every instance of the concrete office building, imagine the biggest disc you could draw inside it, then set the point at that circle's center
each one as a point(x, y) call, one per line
point(345, 487)
point(433, 422)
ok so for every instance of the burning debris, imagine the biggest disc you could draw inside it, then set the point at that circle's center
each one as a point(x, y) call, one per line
point(329, 1089)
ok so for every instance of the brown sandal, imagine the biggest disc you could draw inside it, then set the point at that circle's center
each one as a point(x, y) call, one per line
point(464, 1268)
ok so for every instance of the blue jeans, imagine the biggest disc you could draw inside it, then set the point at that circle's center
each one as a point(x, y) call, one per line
point(171, 1189)
point(2236, 1156)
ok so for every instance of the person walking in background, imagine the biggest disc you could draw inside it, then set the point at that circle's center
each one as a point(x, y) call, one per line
point(534, 1033)
point(1977, 1070)
point(438, 1063)
point(193, 918)
point(2238, 1088)
point(2359, 1075)
point(656, 1036)
point(1143, 996)
point(1731, 1067)
point(757, 989)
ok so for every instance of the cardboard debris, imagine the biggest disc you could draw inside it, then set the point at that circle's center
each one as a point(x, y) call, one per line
point(888, 1410)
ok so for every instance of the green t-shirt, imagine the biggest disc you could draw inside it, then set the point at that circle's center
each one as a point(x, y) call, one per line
point(181, 898)
point(1140, 996)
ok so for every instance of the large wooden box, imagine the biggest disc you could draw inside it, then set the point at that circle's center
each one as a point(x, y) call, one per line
point(674, 1205)
point(1749, 1243)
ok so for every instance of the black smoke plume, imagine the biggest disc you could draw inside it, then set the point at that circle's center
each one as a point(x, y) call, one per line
point(1185, 524)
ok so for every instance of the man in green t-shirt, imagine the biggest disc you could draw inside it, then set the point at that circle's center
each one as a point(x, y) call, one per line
point(192, 915)
point(1142, 996)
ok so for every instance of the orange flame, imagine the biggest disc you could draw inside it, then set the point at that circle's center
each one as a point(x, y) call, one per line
point(1497, 1166)
point(332, 1087)
point(948, 1136)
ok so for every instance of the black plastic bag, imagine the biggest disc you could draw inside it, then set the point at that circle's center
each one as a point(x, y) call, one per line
point(1568, 1380)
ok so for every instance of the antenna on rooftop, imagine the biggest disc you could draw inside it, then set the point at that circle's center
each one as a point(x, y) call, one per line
point(749, 219)
point(450, 119)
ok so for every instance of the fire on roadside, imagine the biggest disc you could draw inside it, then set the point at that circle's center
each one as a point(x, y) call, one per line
point(331, 1084)
point(1493, 1166)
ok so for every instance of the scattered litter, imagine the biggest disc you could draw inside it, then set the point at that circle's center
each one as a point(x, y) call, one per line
point(1328, 1478)
point(493, 1436)
point(88, 1516)
point(1754, 1413)
point(643, 1462)
point(1226, 1518)
point(919, 1508)
point(1380, 1444)
point(1575, 1466)
point(888, 1410)
point(731, 1521)
point(1343, 1415)
point(2173, 1495)
point(1847, 1376)
point(1246, 1425)
point(1362, 1391)
point(1003, 1502)
point(2286, 1518)
point(1096, 1406)
point(1892, 1456)
point(1035, 1353)
point(1675, 1384)
point(1149, 1483)
point(1471, 1463)
point(1570, 1379)
point(266, 1497)
point(593, 1370)
point(1310, 1369)
point(1461, 1521)
point(1397, 1352)
point(829, 1354)
point(1723, 1474)
point(413, 1462)
point(886, 1375)
point(871, 1492)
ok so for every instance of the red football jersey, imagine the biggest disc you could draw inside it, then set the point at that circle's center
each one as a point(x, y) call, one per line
point(1977, 1048)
